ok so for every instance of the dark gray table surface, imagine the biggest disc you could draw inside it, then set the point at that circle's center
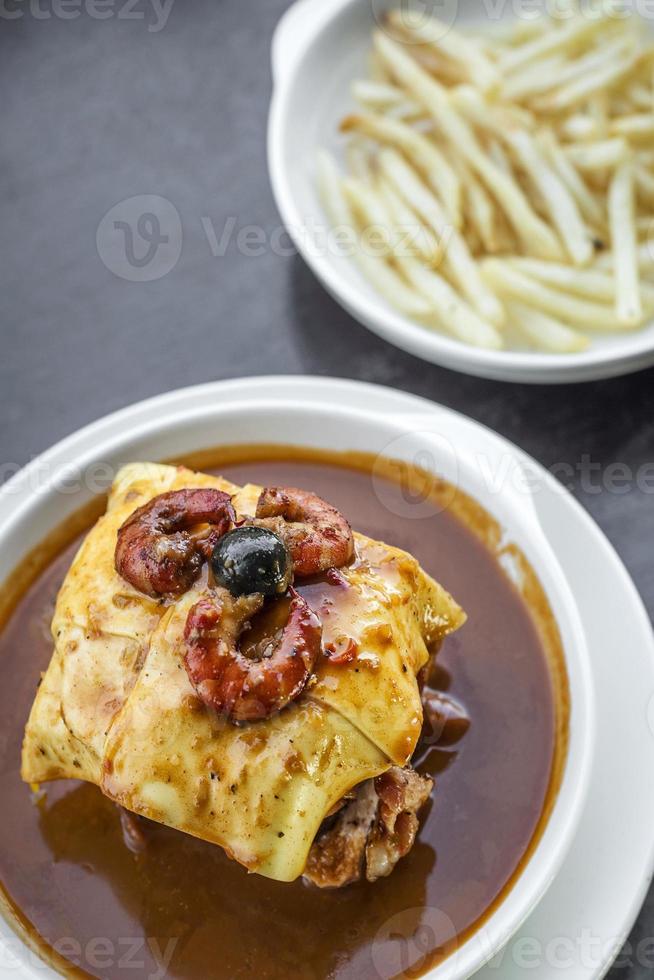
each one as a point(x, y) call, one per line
point(97, 111)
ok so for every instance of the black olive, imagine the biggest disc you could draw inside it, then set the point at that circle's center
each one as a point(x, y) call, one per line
point(252, 559)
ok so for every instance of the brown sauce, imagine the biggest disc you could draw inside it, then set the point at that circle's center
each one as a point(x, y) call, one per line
point(182, 908)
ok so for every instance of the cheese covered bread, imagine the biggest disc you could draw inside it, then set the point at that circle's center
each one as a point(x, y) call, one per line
point(236, 694)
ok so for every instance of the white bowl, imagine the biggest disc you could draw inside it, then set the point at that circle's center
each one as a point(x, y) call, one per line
point(340, 416)
point(318, 49)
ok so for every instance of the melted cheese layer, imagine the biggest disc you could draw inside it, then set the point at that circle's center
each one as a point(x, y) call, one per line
point(116, 706)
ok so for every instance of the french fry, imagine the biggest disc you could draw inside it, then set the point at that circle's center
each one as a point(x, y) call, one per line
point(553, 73)
point(408, 184)
point(644, 257)
point(474, 107)
point(519, 32)
point(598, 107)
point(376, 68)
point(578, 127)
point(498, 155)
point(379, 213)
point(407, 111)
point(645, 229)
point(528, 226)
point(644, 184)
point(356, 156)
point(580, 89)
point(425, 154)
point(386, 98)
point(534, 80)
point(597, 156)
point(588, 204)
point(560, 204)
point(392, 287)
point(423, 239)
point(454, 313)
point(551, 42)
point(628, 305)
point(639, 126)
point(642, 96)
point(593, 284)
point(331, 195)
point(373, 219)
point(645, 157)
point(459, 262)
point(591, 316)
point(480, 210)
point(379, 273)
point(544, 332)
point(455, 46)
point(376, 95)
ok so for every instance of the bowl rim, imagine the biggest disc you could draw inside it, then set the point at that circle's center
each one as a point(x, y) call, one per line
point(297, 34)
point(159, 417)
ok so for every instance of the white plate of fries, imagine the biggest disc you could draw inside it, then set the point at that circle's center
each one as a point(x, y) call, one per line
point(478, 187)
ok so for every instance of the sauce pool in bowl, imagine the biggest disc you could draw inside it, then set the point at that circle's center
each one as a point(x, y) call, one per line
point(179, 906)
